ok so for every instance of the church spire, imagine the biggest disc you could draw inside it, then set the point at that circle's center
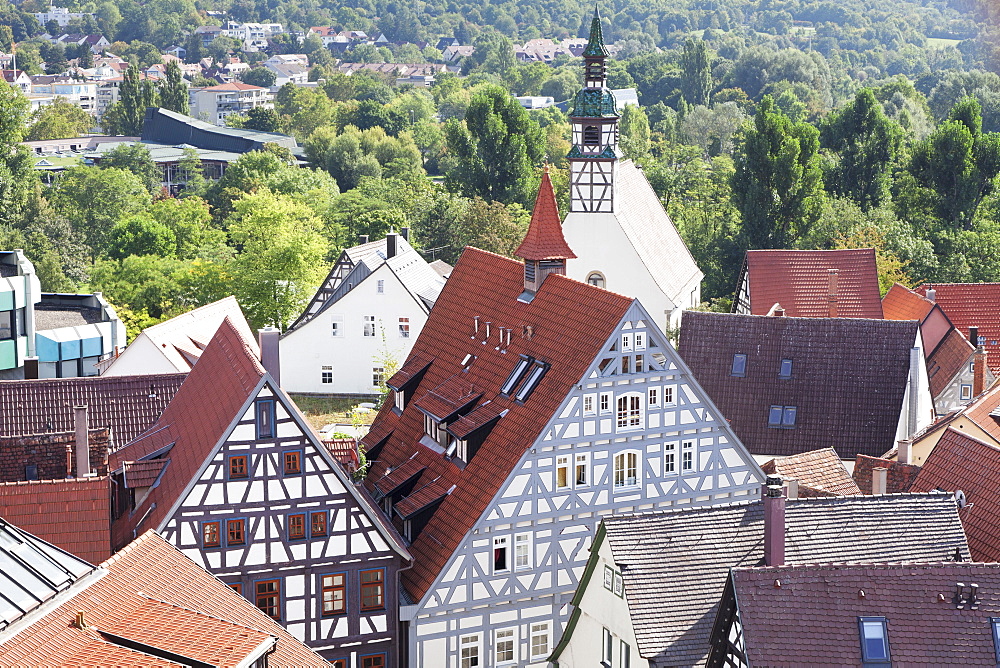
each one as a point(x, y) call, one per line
point(595, 72)
point(544, 249)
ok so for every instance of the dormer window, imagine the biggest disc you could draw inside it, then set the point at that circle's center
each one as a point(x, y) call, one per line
point(436, 430)
point(591, 136)
point(874, 641)
point(516, 375)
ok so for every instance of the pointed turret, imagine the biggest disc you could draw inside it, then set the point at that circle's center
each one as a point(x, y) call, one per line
point(544, 249)
point(595, 45)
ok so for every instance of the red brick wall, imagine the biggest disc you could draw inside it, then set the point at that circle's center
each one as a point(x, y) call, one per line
point(48, 453)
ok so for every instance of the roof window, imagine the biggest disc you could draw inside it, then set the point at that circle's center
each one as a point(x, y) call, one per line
point(995, 623)
point(532, 381)
point(516, 375)
point(739, 368)
point(781, 417)
point(874, 641)
point(786, 369)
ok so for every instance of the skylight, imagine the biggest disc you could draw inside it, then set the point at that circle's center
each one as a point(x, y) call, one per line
point(874, 641)
point(739, 368)
point(532, 381)
point(516, 375)
point(781, 417)
point(786, 369)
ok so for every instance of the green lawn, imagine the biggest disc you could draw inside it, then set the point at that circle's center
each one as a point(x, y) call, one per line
point(322, 411)
point(941, 42)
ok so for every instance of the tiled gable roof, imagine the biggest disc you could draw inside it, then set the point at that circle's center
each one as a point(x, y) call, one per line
point(950, 357)
point(960, 462)
point(675, 563)
point(901, 303)
point(127, 404)
point(544, 239)
point(848, 380)
point(818, 472)
point(812, 618)
point(799, 280)
point(569, 323)
point(151, 593)
point(899, 476)
point(972, 305)
point(985, 412)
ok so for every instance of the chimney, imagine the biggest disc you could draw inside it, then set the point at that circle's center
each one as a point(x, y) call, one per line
point(391, 244)
point(82, 442)
point(879, 479)
point(405, 233)
point(979, 371)
point(774, 522)
point(30, 368)
point(267, 338)
point(475, 325)
point(931, 294)
point(792, 487)
point(903, 451)
point(832, 291)
point(362, 238)
point(974, 336)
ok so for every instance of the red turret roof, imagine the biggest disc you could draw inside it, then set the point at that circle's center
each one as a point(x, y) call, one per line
point(544, 240)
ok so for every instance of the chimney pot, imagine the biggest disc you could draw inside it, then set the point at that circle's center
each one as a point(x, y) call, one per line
point(879, 480)
point(267, 339)
point(974, 336)
point(932, 294)
point(475, 324)
point(391, 244)
point(362, 238)
point(405, 233)
point(774, 522)
point(903, 453)
point(82, 442)
point(30, 368)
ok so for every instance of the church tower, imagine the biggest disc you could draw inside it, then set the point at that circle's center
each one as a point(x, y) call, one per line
point(544, 249)
point(594, 157)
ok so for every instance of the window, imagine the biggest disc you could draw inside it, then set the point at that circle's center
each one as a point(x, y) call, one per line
point(210, 534)
point(238, 467)
point(640, 340)
point(539, 640)
point(625, 472)
point(268, 598)
point(781, 417)
point(293, 462)
point(373, 661)
point(995, 623)
point(469, 651)
point(334, 594)
point(380, 287)
point(265, 418)
point(874, 640)
point(609, 578)
point(669, 458)
point(435, 430)
point(522, 551)
point(619, 586)
point(739, 366)
point(236, 587)
point(607, 648)
point(623, 655)
point(501, 558)
point(404, 328)
point(687, 456)
point(588, 404)
point(629, 411)
point(786, 369)
point(626, 342)
point(653, 398)
point(626, 364)
point(7, 328)
point(339, 663)
point(596, 278)
point(378, 376)
point(503, 645)
point(582, 478)
point(317, 521)
point(297, 526)
point(669, 395)
point(605, 402)
point(337, 326)
point(373, 589)
point(515, 376)
point(591, 136)
point(326, 375)
point(966, 392)
point(369, 325)
point(531, 382)
point(562, 471)
point(235, 532)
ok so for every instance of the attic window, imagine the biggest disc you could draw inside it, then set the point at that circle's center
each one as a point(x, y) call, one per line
point(874, 641)
point(533, 378)
point(786, 369)
point(739, 368)
point(516, 375)
point(781, 417)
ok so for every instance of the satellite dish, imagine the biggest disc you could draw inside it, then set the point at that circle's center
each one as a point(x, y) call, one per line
point(960, 499)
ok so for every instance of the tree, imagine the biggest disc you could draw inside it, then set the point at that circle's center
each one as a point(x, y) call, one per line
point(17, 174)
point(696, 78)
point(867, 144)
point(59, 120)
point(173, 91)
point(259, 76)
point(777, 185)
point(135, 158)
point(140, 234)
point(96, 199)
point(126, 116)
point(190, 222)
point(495, 149)
point(634, 127)
point(262, 119)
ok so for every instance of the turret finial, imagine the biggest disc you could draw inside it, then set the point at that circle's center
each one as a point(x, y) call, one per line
point(595, 45)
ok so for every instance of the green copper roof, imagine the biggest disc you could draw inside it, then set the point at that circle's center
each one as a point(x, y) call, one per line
point(595, 47)
point(595, 103)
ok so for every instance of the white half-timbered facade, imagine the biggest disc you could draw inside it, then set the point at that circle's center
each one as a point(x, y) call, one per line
point(258, 501)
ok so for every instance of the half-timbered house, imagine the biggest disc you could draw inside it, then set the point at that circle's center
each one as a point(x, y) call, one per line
point(233, 476)
point(531, 406)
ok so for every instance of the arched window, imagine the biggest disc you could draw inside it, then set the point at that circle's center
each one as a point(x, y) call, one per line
point(626, 471)
point(596, 278)
point(629, 411)
point(591, 136)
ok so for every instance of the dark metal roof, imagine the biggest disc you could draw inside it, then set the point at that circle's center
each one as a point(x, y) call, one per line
point(168, 127)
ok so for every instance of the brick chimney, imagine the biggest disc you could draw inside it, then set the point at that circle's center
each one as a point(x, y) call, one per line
point(774, 522)
point(979, 371)
point(362, 239)
point(82, 441)
point(267, 339)
point(880, 476)
point(831, 294)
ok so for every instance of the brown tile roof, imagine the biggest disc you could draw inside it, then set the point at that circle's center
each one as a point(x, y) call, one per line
point(812, 618)
point(73, 514)
point(152, 593)
point(675, 563)
point(449, 397)
point(422, 497)
point(569, 320)
point(819, 473)
point(413, 366)
point(848, 379)
point(393, 479)
point(799, 280)
point(985, 411)
point(898, 477)
point(478, 418)
point(960, 462)
point(972, 305)
point(950, 357)
point(126, 404)
point(544, 240)
point(144, 473)
point(901, 303)
point(344, 450)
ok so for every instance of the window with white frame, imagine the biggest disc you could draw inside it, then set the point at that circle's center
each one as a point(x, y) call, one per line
point(378, 376)
point(326, 375)
point(582, 471)
point(653, 397)
point(501, 554)
point(669, 395)
point(589, 404)
point(505, 646)
point(639, 364)
point(640, 340)
point(607, 648)
point(539, 640)
point(626, 342)
point(562, 471)
point(669, 458)
point(624, 655)
point(966, 392)
point(469, 651)
point(626, 469)
point(687, 456)
point(380, 287)
point(404, 328)
point(629, 411)
point(337, 325)
point(605, 404)
point(522, 551)
point(369, 325)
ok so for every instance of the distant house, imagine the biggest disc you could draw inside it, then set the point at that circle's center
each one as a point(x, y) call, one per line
point(292, 73)
point(859, 615)
point(178, 52)
point(971, 305)
point(208, 34)
point(455, 53)
point(288, 59)
point(790, 385)
point(19, 79)
point(214, 103)
point(60, 15)
point(810, 283)
point(370, 309)
point(653, 582)
point(978, 419)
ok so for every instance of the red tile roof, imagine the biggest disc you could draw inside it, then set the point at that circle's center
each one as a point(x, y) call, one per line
point(984, 412)
point(544, 240)
point(960, 462)
point(233, 86)
point(811, 619)
point(153, 594)
point(344, 450)
point(950, 357)
point(901, 303)
point(799, 280)
point(898, 478)
point(569, 320)
point(144, 473)
point(972, 305)
point(818, 472)
point(73, 514)
point(422, 497)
